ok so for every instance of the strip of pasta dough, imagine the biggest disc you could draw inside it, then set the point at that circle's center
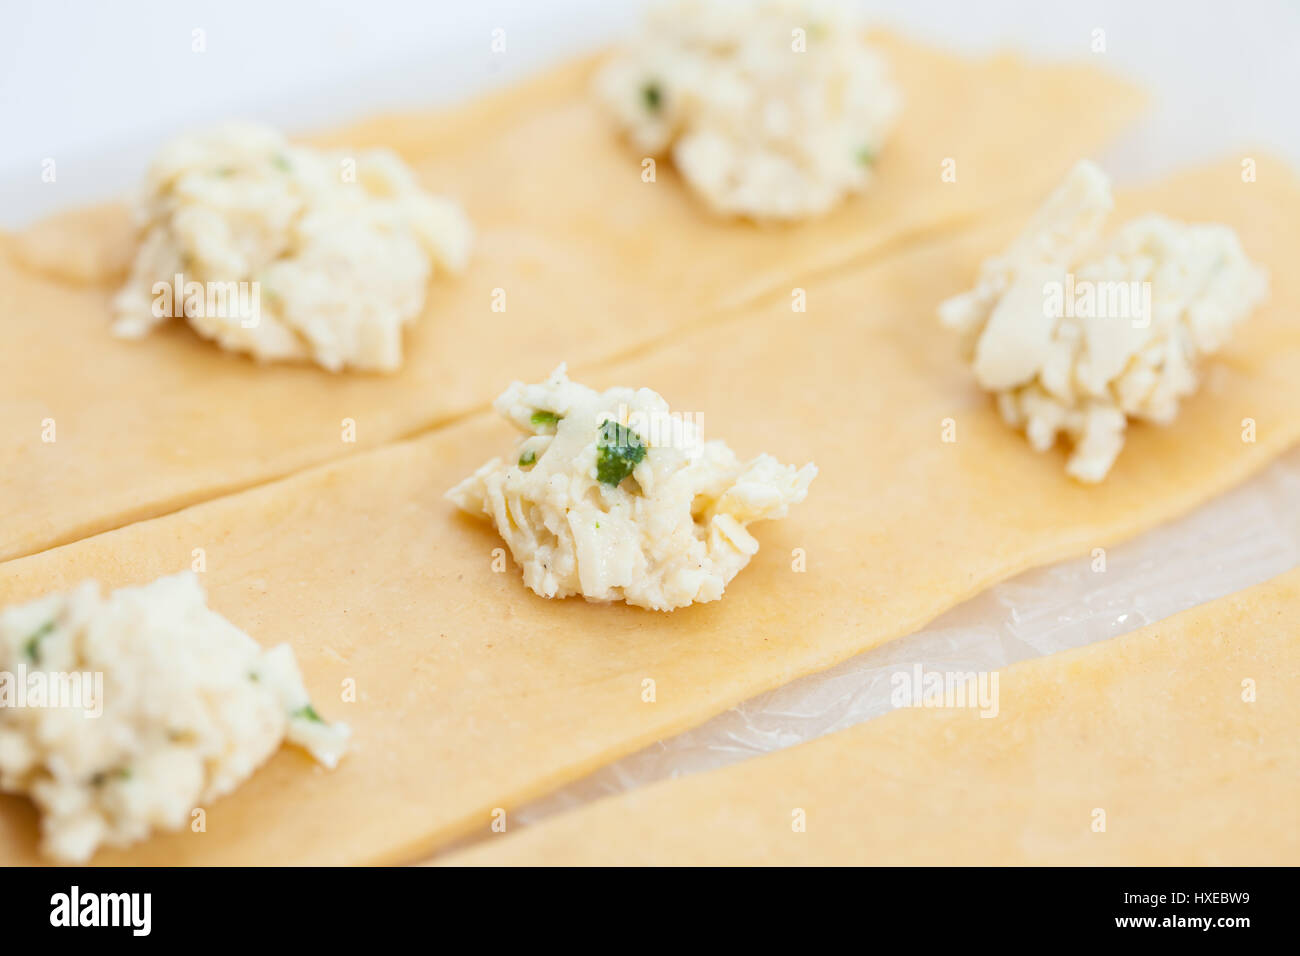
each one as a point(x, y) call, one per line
point(587, 260)
point(475, 694)
point(1175, 745)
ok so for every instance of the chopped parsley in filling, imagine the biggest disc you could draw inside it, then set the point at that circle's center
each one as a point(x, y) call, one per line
point(32, 649)
point(652, 96)
point(618, 451)
point(541, 417)
point(99, 779)
point(307, 712)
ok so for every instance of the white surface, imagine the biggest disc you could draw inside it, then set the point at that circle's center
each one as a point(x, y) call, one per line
point(97, 86)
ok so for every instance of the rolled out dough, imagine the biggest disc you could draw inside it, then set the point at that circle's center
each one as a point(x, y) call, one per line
point(475, 694)
point(589, 261)
point(1149, 734)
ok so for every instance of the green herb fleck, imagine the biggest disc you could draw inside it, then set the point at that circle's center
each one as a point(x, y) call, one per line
point(866, 156)
point(32, 648)
point(652, 96)
point(618, 451)
point(225, 171)
point(527, 458)
point(307, 712)
point(281, 162)
point(543, 417)
point(122, 773)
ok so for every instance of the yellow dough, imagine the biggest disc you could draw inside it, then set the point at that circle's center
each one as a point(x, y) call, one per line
point(591, 261)
point(1155, 729)
point(474, 694)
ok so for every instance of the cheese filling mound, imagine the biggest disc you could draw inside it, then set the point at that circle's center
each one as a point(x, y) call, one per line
point(611, 496)
point(122, 714)
point(1076, 334)
point(770, 109)
point(287, 252)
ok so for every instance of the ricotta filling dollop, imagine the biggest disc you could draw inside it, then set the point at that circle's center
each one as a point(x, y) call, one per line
point(1076, 334)
point(184, 708)
point(770, 109)
point(287, 252)
point(612, 496)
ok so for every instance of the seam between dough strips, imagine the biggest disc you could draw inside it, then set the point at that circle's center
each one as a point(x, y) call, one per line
point(863, 264)
point(492, 114)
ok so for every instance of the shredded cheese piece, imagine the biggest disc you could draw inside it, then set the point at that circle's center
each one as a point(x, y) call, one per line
point(612, 496)
point(286, 252)
point(1076, 335)
point(119, 715)
point(771, 109)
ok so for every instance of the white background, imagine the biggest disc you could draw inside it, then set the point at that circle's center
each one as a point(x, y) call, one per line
point(97, 85)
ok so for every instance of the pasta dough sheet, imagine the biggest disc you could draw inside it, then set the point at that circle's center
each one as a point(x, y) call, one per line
point(475, 694)
point(1154, 729)
point(592, 263)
